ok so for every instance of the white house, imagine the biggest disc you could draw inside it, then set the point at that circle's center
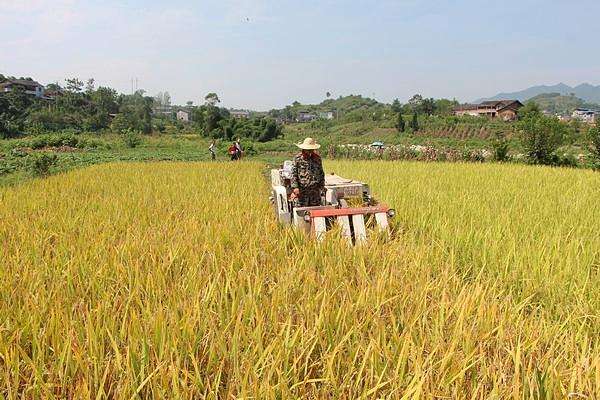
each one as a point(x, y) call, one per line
point(326, 115)
point(183, 116)
point(585, 115)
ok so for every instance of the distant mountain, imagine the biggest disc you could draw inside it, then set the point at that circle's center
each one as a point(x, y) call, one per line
point(585, 91)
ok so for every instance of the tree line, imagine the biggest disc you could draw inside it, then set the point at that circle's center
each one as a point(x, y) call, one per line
point(80, 106)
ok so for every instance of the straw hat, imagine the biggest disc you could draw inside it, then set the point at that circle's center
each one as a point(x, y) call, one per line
point(309, 144)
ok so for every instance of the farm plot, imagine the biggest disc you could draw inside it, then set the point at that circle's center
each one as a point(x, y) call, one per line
point(172, 280)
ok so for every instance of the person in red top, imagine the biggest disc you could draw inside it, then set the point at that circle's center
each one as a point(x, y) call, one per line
point(232, 150)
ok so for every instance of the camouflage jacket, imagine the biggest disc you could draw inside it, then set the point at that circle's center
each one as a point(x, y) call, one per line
point(308, 172)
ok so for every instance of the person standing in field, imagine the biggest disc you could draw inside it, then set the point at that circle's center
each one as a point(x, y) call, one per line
point(212, 149)
point(238, 148)
point(233, 153)
point(308, 178)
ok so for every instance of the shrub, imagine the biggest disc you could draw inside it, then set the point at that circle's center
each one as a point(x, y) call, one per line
point(132, 139)
point(59, 140)
point(414, 124)
point(500, 146)
point(565, 160)
point(400, 125)
point(40, 163)
point(541, 137)
point(249, 150)
point(594, 135)
point(53, 140)
point(160, 126)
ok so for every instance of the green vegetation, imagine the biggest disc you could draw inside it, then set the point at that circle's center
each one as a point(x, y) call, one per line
point(84, 125)
point(541, 137)
point(80, 107)
point(400, 124)
point(68, 151)
point(414, 123)
point(132, 139)
point(594, 135)
point(501, 147)
point(558, 104)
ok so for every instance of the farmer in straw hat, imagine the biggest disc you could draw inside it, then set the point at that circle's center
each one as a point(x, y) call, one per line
point(308, 178)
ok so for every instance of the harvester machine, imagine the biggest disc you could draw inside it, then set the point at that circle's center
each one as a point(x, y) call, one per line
point(346, 203)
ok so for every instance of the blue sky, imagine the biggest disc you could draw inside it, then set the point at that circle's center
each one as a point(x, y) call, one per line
point(265, 53)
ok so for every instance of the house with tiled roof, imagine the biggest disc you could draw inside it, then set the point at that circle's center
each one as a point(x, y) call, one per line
point(504, 109)
point(30, 87)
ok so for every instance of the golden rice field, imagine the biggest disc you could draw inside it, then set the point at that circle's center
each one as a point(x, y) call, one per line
point(172, 280)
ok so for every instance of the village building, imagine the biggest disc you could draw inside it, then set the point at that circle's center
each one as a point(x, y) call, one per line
point(504, 109)
point(585, 115)
point(183, 116)
point(564, 118)
point(164, 110)
point(326, 115)
point(305, 116)
point(30, 87)
point(239, 114)
point(52, 94)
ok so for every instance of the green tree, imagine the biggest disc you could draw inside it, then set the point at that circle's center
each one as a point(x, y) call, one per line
point(541, 137)
point(14, 110)
point(530, 109)
point(445, 106)
point(54, 87)
point(212, 116)
point(594, 135)
point(122, 123)
point(212, 99)
point(415, 102)
point(90, 86)
point(414, 124)
point(427, 106)
point(271, 131)
point(135, 113)
point(396, 106)
point(74, 85)
point(400, 124)
point(104, 100)
point(197, 116)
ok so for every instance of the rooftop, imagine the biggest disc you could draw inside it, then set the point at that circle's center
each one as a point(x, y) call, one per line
point(23, 82)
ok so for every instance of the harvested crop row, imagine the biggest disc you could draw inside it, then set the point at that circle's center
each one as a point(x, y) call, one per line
point(172, 280)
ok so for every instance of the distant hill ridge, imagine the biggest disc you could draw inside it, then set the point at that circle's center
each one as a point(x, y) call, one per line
point(556, 103)
point(585, 91)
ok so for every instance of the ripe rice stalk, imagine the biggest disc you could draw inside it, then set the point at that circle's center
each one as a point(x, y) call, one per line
point(163, 280)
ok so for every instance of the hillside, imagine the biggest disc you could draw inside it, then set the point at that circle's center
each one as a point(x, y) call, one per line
point(341, 105)
point(561, 104)
point(585, 91)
